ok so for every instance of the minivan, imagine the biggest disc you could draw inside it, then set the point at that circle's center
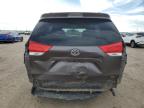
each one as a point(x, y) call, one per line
point(74, 54)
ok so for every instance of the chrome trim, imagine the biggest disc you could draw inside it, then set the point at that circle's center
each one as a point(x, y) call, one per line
point(114, 54)
point(36, 53)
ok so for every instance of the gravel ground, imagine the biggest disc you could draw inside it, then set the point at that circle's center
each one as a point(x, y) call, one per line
point(15, 87)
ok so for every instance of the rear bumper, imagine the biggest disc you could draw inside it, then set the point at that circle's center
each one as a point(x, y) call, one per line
point(72, 91)
point(65, 95)
point(79, 85)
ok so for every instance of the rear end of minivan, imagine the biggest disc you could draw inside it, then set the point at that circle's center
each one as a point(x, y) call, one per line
point(74, 52)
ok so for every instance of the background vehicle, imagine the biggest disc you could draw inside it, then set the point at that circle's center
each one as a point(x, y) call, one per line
point(134, 39)
point(6, 38)
point(25, 33)
point(16, 36)
point(74, 52)
point(10, 37)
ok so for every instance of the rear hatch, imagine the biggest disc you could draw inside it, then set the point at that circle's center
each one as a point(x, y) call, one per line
point(73, 53)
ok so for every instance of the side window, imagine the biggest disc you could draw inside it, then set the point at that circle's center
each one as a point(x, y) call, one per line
point(140, 34)
point(129, 34)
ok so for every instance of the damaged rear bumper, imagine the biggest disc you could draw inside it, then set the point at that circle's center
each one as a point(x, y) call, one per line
point(72, 91)
point(65, 94)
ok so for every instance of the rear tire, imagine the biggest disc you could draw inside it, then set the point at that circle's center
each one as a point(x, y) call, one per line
point(133, 44)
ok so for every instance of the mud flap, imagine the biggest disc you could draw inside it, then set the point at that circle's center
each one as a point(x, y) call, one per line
point(63, 95)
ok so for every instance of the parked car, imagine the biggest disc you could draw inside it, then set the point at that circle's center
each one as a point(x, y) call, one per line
point(16, 36)
point(27, 32)
point(134, 39)
point(10, 37)
point(74, 55)
point(21, 33)
point(6, 38)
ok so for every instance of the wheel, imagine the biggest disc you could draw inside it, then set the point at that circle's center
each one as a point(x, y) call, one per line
point(133, 44)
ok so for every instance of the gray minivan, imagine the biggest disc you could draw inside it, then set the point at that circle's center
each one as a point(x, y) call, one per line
point(74, 53)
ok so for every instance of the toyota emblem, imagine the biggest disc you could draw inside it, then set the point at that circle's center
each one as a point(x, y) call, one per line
point(75, 52)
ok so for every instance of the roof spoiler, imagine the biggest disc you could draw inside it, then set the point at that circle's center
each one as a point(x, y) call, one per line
point(75, 15)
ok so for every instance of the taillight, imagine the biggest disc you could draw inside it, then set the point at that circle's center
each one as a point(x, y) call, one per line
point(114, 49)
point(36, 48)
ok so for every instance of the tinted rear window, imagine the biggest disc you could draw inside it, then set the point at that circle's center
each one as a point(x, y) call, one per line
point(75, 32)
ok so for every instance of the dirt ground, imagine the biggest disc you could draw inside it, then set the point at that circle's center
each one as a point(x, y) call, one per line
point(15, 87)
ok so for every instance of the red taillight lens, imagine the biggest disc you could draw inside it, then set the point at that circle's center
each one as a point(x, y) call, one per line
point(38, 47)
point(112, 48)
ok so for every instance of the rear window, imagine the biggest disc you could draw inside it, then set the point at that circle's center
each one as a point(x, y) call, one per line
point(75, 32)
